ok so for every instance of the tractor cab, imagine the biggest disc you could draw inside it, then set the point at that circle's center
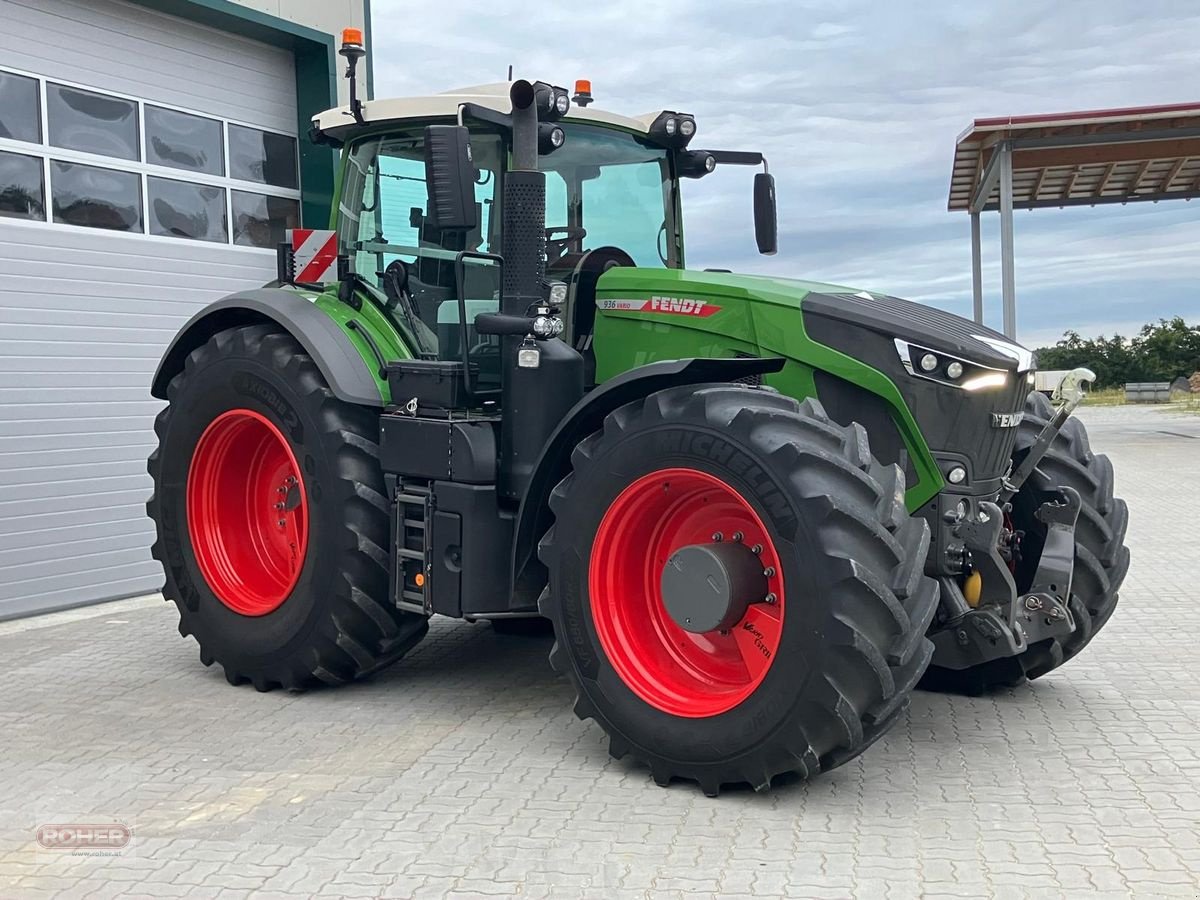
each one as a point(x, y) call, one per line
point(611, 199)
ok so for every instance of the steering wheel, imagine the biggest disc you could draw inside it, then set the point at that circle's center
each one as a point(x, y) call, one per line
point(556, 248)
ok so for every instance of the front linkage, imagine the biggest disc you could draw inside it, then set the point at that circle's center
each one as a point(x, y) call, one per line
point(997, 620)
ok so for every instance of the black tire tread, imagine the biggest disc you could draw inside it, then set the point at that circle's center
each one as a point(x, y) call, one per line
point(881, 600)
point(358, 634)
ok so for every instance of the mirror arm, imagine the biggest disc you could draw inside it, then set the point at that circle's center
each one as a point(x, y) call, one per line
point(483, 114)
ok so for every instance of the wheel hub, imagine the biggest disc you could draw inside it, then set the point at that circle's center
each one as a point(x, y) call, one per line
point(709, 587)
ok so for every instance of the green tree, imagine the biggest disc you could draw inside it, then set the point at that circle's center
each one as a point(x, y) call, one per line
point(1161, 351)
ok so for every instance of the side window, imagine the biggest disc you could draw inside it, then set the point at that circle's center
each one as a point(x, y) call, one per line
point(383, 214)
point(402, 198)
point(556, 200)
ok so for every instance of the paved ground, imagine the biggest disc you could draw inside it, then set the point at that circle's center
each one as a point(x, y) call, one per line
point(461, 771)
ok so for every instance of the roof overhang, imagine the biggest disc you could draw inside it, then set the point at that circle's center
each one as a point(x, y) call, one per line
point(338, 122)
point(1081, 158)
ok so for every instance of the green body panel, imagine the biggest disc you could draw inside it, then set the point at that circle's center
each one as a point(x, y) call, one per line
point(375, 322)
point(758, 316)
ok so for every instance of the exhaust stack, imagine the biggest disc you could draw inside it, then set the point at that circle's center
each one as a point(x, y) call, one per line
point(534, 398)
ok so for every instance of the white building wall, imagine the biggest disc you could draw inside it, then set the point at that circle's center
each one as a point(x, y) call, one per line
point(329, 16)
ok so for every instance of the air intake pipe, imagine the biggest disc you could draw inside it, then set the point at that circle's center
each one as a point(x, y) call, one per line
point(534, 399)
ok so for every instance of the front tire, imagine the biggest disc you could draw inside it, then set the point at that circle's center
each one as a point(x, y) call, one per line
point(817, 667)
point(272, 518)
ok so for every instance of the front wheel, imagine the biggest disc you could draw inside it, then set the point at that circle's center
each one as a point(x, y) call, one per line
point(736, 586)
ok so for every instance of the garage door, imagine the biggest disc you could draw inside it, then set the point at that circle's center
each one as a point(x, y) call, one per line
point(147, 165)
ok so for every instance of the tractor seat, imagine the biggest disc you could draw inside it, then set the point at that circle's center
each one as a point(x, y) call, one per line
point(579, 313)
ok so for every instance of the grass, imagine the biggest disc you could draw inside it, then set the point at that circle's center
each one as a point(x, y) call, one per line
point(1187, 403)
point(1105, 397)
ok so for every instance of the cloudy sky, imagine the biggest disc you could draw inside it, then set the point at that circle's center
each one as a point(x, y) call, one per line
point(857, 105)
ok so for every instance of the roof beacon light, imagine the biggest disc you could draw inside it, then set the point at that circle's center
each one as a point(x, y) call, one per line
point(354, 50)
point(583, 92)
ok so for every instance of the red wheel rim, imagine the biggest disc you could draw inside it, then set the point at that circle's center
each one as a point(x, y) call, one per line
point(247, 512)
point(677, 671)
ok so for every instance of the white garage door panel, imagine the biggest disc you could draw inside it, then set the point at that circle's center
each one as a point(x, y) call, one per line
point(86, 314)
point(128, 49)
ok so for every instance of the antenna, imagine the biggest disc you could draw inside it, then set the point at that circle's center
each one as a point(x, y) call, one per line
point(510, 72)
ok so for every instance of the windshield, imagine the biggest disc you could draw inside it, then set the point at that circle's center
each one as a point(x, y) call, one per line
point(605, 189)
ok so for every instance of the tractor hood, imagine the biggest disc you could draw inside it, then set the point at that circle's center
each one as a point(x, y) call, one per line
point(826, 309)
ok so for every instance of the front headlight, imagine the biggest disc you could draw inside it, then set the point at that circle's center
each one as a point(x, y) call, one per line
point(952, 371)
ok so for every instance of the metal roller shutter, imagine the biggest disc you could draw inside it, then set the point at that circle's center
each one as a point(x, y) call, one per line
point(86, 311)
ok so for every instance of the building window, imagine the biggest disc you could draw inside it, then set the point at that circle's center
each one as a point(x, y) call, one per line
point(20, 119)
point(260, 221)
point(21, 191)
point(96, 197)
point(91, 123)
point(183, 141)
point(262, 156)
point(181, 209)
point(70, 155)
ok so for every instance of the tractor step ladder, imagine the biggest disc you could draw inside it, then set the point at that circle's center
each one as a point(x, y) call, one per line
point(412, 564)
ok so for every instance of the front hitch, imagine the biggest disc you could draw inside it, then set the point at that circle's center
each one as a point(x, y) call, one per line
point(1002, 623)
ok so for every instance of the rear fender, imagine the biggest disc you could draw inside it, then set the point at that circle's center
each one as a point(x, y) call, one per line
point(586, 417)
point(340, 361)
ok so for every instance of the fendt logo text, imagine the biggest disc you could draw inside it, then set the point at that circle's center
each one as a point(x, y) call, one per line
point(675, 306)
point(109, 836)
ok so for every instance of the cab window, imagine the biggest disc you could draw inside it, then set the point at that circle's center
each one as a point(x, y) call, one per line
point(383, 218)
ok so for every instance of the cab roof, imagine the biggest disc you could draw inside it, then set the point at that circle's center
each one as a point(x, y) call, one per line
point(338, 121)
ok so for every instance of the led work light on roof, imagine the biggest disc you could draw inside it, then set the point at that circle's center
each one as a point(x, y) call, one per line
point(554, 102)
point(695, 163)
point(550, 137)
point(673, 129)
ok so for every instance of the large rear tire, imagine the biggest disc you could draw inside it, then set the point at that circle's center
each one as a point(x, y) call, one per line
point(1101, 557)
point(817, 667)
point(272, 518)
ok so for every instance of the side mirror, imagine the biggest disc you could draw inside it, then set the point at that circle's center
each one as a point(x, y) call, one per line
point(766, 221)
point(450, 178)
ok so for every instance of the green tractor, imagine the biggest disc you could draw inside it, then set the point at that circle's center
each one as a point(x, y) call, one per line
point(757, 512)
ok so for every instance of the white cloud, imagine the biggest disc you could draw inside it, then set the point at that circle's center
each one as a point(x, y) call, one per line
point(857, 105)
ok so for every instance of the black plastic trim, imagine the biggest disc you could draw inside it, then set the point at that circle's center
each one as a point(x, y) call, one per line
point(339, 361)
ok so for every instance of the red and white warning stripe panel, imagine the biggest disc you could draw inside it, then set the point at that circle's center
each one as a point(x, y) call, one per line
point(314, 255)
point(674, 306)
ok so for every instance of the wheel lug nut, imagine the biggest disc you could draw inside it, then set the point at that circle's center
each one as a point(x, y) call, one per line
point(770, 598)
point(279, 506)
point(737, 536)
point(282, 522)
point(718, 537)
point(769, 571)
point(756, 549)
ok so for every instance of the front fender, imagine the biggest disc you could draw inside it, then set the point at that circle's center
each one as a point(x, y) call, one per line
point(585, 417)
point(339, 361)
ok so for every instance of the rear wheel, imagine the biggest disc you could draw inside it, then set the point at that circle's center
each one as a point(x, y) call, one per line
point(272, 518)
point(735, 585)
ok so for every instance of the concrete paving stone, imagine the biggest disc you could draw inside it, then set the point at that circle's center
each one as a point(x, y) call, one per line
point(461, 771)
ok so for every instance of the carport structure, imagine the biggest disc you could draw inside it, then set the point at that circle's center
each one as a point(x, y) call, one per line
point(1069, 159)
